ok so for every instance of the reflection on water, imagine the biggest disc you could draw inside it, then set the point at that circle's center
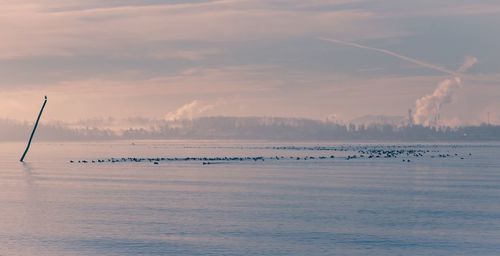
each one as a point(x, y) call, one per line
point(334, 207)
point(28, 172)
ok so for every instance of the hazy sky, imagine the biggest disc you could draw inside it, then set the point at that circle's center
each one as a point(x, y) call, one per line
point(173, 58)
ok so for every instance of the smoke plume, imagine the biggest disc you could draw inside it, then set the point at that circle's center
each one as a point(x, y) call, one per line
point(468, 63)
point(428, 108)
point(189, 111)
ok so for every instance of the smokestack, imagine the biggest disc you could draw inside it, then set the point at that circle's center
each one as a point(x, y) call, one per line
point(410, 118)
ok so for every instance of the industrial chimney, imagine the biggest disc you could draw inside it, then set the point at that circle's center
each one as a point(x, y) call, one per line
point(410, 118)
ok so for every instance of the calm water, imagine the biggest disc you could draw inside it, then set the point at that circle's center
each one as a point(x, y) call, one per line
point(430, 206)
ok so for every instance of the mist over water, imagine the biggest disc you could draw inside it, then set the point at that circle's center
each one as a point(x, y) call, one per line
point(429, 206)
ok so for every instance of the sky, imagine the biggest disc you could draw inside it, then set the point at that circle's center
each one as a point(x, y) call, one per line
point(170, 59)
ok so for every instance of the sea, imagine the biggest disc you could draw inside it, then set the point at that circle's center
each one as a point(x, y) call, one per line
point(249, 198)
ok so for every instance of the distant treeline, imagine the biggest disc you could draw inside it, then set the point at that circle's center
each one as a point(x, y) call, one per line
point(256, 128)
point(17, 131)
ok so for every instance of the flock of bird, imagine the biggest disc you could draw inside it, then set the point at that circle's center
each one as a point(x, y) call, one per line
point(360, 152)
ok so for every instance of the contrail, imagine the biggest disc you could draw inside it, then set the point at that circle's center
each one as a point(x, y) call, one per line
point(394, 54)
point(428, 106)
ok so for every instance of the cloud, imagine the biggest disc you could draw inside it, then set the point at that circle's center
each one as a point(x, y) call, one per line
point(37, 28)
point(125, 58)
point(125, 95)
point(433, 8)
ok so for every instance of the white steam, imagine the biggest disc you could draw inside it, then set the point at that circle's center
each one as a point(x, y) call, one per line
point(428, 108)
point(189, 111)
point(468, 63)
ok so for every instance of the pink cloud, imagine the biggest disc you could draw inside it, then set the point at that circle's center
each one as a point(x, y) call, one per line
point(34, 28)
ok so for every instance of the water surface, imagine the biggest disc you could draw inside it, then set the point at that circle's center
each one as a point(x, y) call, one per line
point(429, 206)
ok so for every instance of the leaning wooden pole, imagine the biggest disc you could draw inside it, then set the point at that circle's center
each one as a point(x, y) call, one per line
point(34, 130)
